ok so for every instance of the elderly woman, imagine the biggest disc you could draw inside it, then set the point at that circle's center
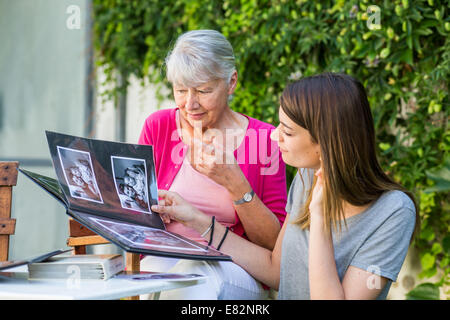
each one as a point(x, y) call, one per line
point(222, 161)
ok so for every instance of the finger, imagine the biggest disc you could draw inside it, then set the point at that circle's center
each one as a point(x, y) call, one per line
point(165, 218)
point(161, 209)
point(223, 155)
point(197, 153)
point(211, 155)
point(156, 208)
point(171, 198)
point(209, 136)
point(167, 195)
point(229, 158)
point(163, 193)
point(319, 172)
point(208, 160)
point(208, 149)
point(203, 149)
point(198, 144)
point(319, 183)
point(202, 168)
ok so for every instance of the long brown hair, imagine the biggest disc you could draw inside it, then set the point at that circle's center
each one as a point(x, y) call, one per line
point(335, 110)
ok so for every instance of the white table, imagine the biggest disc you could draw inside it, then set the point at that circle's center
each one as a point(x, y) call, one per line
point(15, 285)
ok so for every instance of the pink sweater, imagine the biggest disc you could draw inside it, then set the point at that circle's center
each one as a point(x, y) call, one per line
point(258, 157)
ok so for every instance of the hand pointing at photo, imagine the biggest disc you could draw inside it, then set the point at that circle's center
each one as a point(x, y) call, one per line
point(173, 207)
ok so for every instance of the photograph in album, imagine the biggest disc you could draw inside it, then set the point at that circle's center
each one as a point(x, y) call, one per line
point(131, 183)
point(78, 173)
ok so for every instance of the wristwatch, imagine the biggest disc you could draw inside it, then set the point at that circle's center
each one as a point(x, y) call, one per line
point(246, 198)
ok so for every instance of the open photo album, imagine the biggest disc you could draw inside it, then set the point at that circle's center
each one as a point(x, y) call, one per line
point(109, 187)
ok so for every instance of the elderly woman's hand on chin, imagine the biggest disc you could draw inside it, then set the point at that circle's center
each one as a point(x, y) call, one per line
point(211, 159)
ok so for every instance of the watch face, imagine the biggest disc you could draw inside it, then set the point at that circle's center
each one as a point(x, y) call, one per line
point(247, 197)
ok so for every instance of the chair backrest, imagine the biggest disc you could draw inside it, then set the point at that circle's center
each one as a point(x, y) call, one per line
point(80, 237)
point(8, 179)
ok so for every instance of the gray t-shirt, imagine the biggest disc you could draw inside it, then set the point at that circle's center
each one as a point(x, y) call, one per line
point(376, 240)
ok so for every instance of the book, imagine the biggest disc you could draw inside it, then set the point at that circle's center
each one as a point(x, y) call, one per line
point(42, 257)
point(109, 187)
point(90, 266)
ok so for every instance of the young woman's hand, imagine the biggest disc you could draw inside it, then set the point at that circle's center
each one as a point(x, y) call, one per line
point(316, 205)
point(173, 207)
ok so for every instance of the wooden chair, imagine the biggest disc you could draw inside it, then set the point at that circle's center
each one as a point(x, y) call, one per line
point(80, 237)
point(8, 179)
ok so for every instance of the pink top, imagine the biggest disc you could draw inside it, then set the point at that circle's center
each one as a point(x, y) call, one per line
point(258, 157)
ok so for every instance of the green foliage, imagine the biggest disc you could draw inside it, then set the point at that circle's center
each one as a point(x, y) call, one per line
point(441, 177)
point(424, 291)
point(404, 63)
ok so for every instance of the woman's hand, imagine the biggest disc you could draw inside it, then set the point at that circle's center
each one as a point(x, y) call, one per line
point(173, 207)
point(219, 164)
point(316, 205)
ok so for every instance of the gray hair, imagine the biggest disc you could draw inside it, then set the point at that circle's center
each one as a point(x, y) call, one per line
point(200, 56)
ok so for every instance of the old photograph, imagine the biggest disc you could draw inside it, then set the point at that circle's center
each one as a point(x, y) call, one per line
point(130, 177)
point(79, 174)
point(146, 237)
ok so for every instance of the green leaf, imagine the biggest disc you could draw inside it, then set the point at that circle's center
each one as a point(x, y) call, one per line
point(384, 53)
point(427, 261)
point(429, 273)
point(427, 234)
point(424, 291)
point(384, 146)
point(436, 248)
point(409, 43)
point(407, 56)
point(444, 262)
point(441, 178)
point(446, 244)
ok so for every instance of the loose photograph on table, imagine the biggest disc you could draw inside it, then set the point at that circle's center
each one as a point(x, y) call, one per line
point(130, 177)
point(79, 174)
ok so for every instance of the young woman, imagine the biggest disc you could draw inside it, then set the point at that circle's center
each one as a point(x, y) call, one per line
point(349, 225)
